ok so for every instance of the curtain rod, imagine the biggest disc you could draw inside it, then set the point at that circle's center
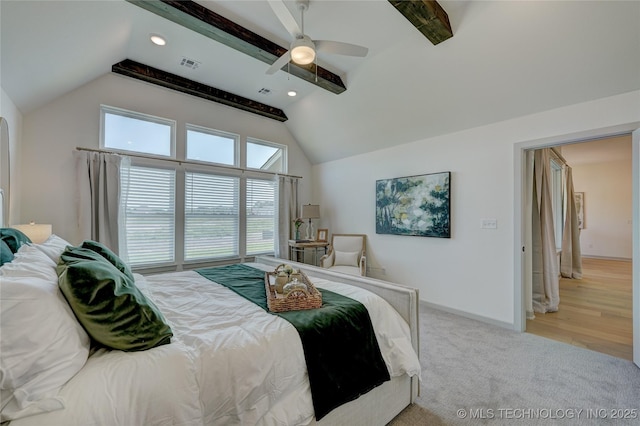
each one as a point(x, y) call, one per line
point(173, 160)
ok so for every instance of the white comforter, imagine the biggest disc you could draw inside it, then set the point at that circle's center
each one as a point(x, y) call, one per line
point(229, 363)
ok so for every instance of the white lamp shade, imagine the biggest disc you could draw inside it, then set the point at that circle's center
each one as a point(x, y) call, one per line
point(310, 211)
point(303, 55)
point(303, 50)
point(37, 232)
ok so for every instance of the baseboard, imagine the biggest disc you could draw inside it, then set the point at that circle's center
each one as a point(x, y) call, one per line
point(469, 315)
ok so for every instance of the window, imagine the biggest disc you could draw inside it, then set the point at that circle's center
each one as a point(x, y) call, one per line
point(131, 131)
point(261, 216)
point(266, 156)
point(201, 208)
point(211, 218)
point(211, 146)
point(557, 200)
point(149, 197)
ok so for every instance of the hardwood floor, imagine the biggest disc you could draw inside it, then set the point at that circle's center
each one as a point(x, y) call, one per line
point(595, 312)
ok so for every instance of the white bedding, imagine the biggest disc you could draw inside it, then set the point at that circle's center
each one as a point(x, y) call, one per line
point(230, 362)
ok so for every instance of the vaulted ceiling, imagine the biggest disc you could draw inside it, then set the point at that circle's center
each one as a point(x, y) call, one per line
point(505, 59)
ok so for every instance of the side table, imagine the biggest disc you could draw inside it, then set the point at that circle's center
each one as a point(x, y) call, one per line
point(297, 249)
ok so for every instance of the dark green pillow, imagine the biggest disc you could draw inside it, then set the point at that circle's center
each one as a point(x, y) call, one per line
point(108, 304)
point(105, 252)
point(6, 255)
point(13, 238)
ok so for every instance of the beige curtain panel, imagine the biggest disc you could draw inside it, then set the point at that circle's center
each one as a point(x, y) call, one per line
point(545, 281)
point(98, 196)
point(571, 257)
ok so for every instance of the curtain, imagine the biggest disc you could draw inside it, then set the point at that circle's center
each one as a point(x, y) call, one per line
point(287, 212)
point(545, 281)
point(98, 196)
point(571, 257)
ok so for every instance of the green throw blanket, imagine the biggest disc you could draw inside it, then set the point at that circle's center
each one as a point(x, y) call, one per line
point(340, 347)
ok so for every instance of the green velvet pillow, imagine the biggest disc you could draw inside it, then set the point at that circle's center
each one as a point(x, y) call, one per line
point(108, 304)
point(105, 252)
point(6, 255)
point(13, 238)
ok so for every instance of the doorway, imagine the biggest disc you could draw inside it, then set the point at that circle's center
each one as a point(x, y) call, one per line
point(595, 312)
point(521, 267)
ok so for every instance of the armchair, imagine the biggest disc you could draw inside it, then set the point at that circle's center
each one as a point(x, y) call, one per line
point(347, 253)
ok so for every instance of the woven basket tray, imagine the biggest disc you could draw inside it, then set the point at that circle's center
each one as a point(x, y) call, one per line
point(294, 301)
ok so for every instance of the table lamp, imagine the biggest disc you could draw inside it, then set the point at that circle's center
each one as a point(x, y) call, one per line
point(37, 232)
point(310, 211)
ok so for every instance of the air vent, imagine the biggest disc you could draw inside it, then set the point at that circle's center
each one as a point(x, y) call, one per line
point(264, 91)
point(190, 63)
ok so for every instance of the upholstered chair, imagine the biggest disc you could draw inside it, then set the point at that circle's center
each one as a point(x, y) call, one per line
point(347, 253)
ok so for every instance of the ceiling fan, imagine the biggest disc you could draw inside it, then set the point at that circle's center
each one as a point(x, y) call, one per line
point(303, 49)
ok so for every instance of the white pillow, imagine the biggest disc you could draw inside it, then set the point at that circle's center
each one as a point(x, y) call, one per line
point(53, 247)
point(42, 345)
point(346, 258)
point(30, 262)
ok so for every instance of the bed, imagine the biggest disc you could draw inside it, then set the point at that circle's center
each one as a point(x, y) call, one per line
point(228, 361)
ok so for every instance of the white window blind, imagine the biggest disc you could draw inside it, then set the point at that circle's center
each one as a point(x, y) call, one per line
point(261, 216)
point(211, 216)
point(149, 214)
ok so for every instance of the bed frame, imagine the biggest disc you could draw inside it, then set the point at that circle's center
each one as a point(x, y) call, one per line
point(382, 404)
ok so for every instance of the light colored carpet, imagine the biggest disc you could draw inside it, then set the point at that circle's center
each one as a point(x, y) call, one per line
point(475, 373)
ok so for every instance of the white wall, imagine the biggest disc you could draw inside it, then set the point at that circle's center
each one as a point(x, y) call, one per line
point(10, 112)
point(472, 272)
point(52, 133)
point(608, 210)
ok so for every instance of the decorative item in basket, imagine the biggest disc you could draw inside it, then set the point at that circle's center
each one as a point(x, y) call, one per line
point(301, 293)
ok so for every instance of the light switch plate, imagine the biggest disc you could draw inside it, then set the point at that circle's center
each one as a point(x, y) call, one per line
point(489, 223)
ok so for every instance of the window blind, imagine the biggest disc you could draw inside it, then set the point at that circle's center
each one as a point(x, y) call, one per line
point(261, 216)
point(149, 214)
point(211, 216)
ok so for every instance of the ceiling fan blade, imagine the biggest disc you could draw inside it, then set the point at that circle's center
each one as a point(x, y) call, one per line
point(279, 63)
point(341, 48)
point(285, 17)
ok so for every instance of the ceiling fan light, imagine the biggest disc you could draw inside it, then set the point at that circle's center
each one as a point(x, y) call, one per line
point(303, 51)
point(303, 55)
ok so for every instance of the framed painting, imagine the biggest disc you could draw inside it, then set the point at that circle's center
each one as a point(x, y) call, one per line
point(414, 205)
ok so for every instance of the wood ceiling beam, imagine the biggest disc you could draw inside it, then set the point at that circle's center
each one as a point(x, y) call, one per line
point(198, 18)
point(427, 16)
point(175, 82)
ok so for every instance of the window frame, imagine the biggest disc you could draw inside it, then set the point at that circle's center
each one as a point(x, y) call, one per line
point(106, 109)
point(213, 132)
point(281, 147)
point(181, 166)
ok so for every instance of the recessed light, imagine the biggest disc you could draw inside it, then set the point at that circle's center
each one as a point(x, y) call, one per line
point(157, 39)
point(292, 93)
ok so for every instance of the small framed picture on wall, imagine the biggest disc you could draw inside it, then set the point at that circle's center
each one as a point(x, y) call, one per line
point(322, 235)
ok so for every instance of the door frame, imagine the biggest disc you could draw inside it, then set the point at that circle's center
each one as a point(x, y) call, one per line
point(519, 164)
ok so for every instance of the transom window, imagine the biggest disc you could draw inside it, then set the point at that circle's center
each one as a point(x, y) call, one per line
point(212, 146)
point(131, 131)
point(264, 155)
